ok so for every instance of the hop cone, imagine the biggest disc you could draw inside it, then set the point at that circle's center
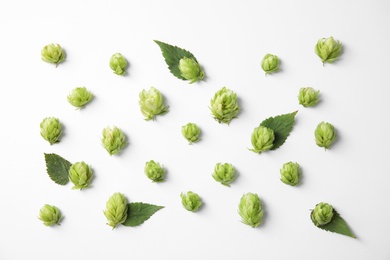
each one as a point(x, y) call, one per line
point(50, 215)
point(250, 209)
point(191, 201)
point(51, 129)
point(224, 106)
point(116, 209)
point(113, 140)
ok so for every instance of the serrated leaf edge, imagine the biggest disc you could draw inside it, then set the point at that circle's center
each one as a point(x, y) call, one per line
point(47, 170)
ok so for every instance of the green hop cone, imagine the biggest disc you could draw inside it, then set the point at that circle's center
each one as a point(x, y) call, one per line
point(325, 135)
point(224, 173)
point(308, 97)
point(322, 214)
point(224, 106)
point(113, 140)
point(250, 209)
point(262, 139)
point(191, 132)
point(151, 103)
point(154, 171)
point(51, 129)
point(290, 173)
point(116, 209)
point(52, 53)
point(270, 63)
point(80, 174)
point(190, 69)
point(50, 215)
point(191, 201)
point(79, 97)
point(328, 49)
point(118, 64)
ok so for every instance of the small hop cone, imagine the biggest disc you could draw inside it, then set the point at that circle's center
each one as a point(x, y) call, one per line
point(224, 106)
point(113, 140)
point(116, 210)
point(191, 132)
point(51, 129)
point(250, 210)
point(190, 69)
point(270, 63)
point(262, 139)
point(79, 97)
point(154, 171)
point(325, 135)
point(290, 173)
point(328, 49)
point(191, 201)
point(151, 103)
point(308, 97)
point(53, 53)
point(118, 64)
point(50, 215)
point(322, 214)
point(80, 174)
point(224, 173)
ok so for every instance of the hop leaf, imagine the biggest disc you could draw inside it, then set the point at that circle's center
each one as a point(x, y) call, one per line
point(325, 135)
point(139, 212)
point(118, 64)
point(270, 63)
point(181, 63)
point(154, 171)
point(328, 49)
point(52, 53)
point(224, 173)
point(57, 168)
point(79, 97)
point(116, 209)
point(51, 129)
point(151, 103)
point(290, 173)
point(113, 140)
point(250, 209)
point(191, 132)
point(191, 201)
point(50, 215)
point(224, 105)
point(80, 174)
point(308, 97)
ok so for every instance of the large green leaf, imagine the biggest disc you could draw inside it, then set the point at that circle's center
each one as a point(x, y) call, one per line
point(138, 213)
point(282, 126)
point(173, 55)
point(57, 168)
point(337, 225)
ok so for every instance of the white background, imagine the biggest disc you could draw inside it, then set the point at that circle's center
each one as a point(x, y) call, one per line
point(229, 38)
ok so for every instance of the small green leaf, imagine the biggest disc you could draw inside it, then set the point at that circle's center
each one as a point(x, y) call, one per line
point(172, 55)
point(282, 126)
point(139, 212)
point(57, 168)
point(337, 225)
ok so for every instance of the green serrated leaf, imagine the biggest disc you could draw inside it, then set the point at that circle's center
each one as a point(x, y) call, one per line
point(172, 55)
point(57, 168)
point(282, 126)
point(337, 225)
point(139, 212)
